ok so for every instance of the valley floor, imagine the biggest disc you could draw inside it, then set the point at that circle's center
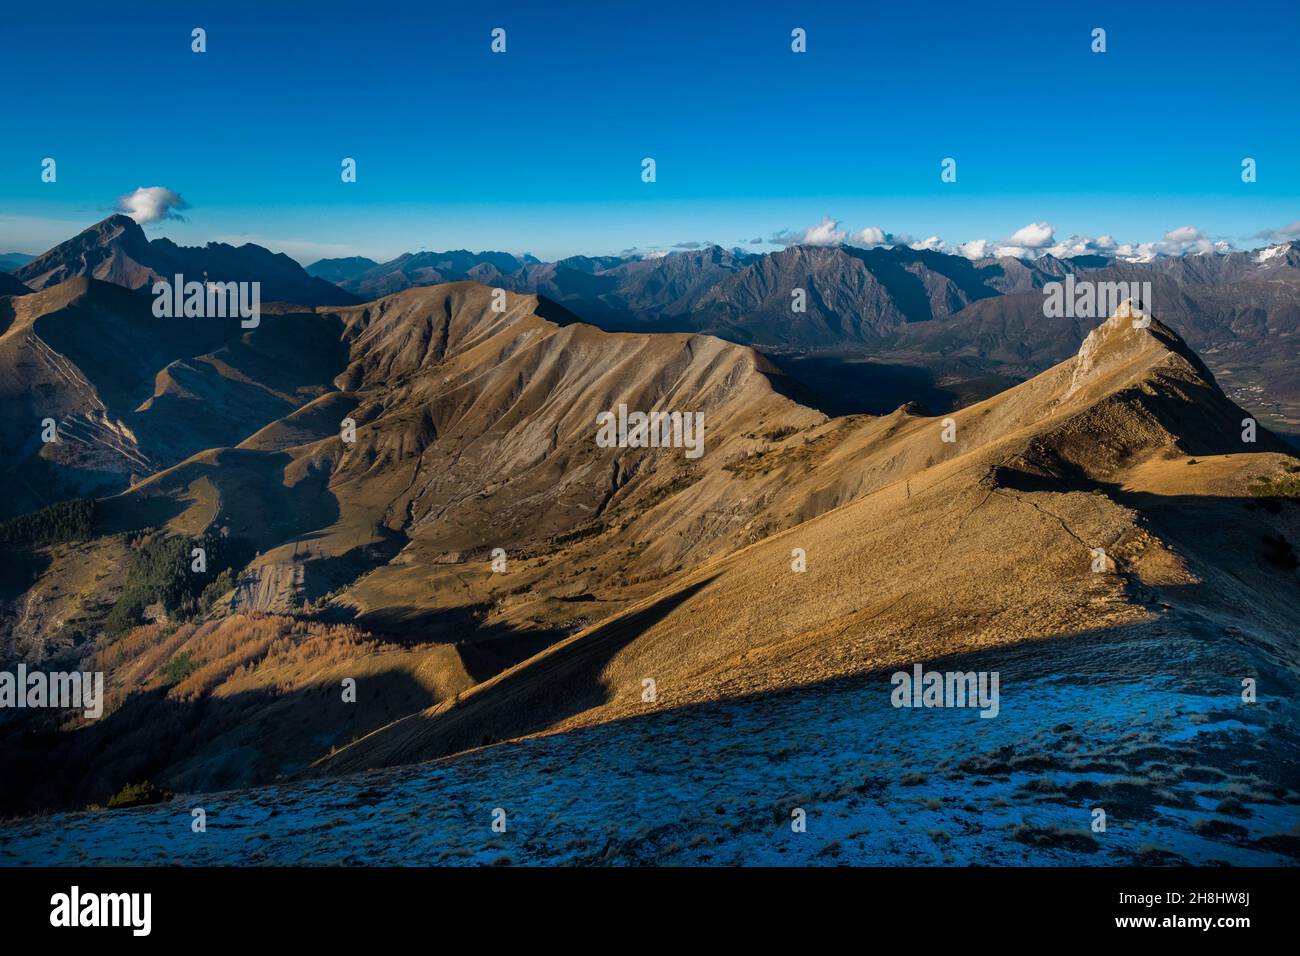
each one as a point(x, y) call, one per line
point(1145, 722)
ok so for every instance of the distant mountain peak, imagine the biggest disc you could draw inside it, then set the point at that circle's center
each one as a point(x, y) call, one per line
point(116, 250)
point(1278, 252)
point(1130, 336)
point(116, 226)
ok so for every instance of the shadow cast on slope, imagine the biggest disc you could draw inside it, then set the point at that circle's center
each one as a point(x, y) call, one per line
point(846, 383)
point(485, 649)
point(1098, 718)
point(200, 744)
point(1144, 719)
point(249, 738)
point(564, 683)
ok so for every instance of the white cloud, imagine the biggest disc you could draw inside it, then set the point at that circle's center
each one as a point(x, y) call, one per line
point(1038, 239)
point(1027, 242)
point(825, 233)
point(152, 204)
point(871, 237)
point(934, 244)
point(874, 236)
point(1031, 241)
point(975, 249)
point(1183, 241)
point(1091, 246)
point(1082, 246)
point(1036, 235)
point(1018, 252)
point(1184, 234)
point(1285, 234)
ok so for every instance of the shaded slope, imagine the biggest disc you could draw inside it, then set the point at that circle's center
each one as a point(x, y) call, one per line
point(133, 393)
point(11, 285)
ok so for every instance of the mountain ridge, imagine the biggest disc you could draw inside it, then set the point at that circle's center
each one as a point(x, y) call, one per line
point(116, 250)
point(1096, 425)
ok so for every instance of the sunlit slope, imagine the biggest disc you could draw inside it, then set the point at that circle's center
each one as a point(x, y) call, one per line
point(983, 542)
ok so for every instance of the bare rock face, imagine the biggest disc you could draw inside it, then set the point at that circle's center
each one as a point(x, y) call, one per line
point(271, 588)
point(1117, 340)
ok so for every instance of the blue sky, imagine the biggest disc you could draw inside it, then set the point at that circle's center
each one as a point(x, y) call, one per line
point(539, 149)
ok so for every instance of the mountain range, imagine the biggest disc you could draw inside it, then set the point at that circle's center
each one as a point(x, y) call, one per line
point(854, 296)
point(116, 250)
point(880, 327)
point(9, 261)
point(935, 324)
point(407, 492)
